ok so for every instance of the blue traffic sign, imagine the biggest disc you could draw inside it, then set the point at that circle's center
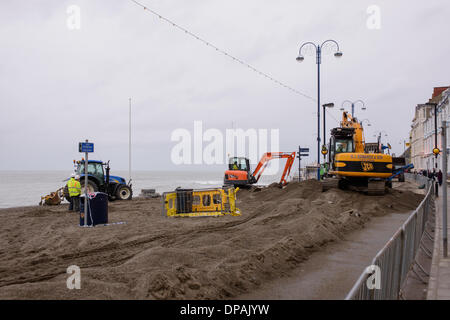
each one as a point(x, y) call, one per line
point(86, 147)
point(302, 155)
point(303, 149)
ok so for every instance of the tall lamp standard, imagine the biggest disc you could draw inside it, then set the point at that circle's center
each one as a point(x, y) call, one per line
point(324, 145)
point(436, 150)
point(380, 134)
point(368, 122)
point(404, 145)
point(300, 58)
point(353, 104)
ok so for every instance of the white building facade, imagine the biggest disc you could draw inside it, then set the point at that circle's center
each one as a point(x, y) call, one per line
point(417, 137)
point(443, 113)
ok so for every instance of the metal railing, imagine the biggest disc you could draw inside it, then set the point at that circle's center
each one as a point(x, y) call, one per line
point(393, 262)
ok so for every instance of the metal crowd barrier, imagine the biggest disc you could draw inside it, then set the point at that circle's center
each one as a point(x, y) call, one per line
point(200, 202)
point(397, 257)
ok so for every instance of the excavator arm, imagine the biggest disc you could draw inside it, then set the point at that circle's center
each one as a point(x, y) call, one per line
point(290, 156)
point(349, 122)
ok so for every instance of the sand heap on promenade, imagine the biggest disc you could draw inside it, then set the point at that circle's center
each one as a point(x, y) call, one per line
point(155, 257)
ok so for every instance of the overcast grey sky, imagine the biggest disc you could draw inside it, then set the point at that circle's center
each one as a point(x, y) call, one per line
point(52, 77)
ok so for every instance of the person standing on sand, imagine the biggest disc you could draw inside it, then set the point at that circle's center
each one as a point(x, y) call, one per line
point(74, 187)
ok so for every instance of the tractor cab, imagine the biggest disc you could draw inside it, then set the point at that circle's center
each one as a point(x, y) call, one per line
point(95, 169)
point(99, 179)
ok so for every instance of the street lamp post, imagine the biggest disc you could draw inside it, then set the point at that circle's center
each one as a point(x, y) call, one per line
point(300, 58)
point(324, 147)
point(368, 122)
point(379, 134)
point(353, 103)
point(436, 149)
point(444, 187)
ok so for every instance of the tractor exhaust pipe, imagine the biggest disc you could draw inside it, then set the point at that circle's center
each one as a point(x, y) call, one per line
point(107, 177)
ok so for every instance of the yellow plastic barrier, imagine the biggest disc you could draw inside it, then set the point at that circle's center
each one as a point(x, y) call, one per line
point(200, 202)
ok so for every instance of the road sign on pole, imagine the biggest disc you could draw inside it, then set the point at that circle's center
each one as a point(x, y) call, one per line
point(299, 156)
point(87, 148)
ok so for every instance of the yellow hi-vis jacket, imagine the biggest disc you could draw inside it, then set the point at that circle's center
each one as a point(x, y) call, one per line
point(74, 187)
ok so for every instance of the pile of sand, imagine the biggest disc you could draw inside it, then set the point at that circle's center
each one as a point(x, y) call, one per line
point(155, 257)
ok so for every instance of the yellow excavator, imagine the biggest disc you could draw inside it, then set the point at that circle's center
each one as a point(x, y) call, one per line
point(352, 165)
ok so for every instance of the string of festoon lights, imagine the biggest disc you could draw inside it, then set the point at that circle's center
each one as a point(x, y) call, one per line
point(225, 53)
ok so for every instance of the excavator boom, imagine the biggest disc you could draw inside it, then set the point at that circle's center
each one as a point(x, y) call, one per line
point(290, 156)
point(358, 137)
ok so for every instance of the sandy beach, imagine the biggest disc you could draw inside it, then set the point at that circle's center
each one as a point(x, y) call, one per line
point(155, 257)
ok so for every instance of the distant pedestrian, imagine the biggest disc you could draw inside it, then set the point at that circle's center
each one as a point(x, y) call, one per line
point(430, 174)
point(439, 176)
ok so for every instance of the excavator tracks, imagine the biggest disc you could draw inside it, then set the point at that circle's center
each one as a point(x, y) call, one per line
point(376, 188)
point(330, 183)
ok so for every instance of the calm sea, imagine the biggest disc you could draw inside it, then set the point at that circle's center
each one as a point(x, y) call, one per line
point(25, 188)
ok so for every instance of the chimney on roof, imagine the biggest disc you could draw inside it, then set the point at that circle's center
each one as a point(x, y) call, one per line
point(438, 90)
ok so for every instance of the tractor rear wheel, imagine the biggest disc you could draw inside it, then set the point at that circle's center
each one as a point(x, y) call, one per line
point(124, 192)
point(92, 187)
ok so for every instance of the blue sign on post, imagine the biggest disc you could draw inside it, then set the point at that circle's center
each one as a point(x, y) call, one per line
point(86, 147)
point(303, 150)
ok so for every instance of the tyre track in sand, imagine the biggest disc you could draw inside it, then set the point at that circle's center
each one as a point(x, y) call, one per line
point(63, 261)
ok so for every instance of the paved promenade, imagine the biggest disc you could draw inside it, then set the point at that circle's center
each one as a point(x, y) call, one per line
point(439, 283)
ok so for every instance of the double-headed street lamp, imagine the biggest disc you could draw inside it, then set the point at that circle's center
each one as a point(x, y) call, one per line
point(404, 145)
point(380, 133)
point(368, 122)
point(353, 104)
point(300, 58)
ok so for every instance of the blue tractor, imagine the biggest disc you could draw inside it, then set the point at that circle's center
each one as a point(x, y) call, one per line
point(100, 180)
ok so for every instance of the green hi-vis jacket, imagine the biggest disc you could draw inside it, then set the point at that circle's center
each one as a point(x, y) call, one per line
point(74, 187)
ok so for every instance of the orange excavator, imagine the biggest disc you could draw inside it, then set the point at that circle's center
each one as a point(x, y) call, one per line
point(238, 173)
